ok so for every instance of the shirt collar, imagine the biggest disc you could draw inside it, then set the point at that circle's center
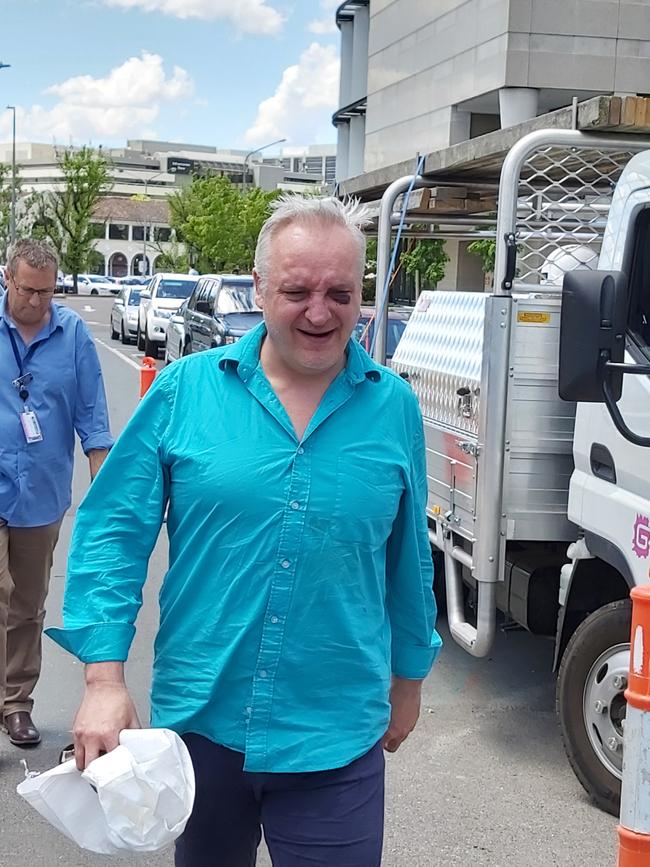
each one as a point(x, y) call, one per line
point(244, 356)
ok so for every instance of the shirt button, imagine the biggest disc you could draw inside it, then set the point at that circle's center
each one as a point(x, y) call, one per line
point(301, 451)
point(275, 619)
point(263, 673)
point(285, 564)
point(295, 505)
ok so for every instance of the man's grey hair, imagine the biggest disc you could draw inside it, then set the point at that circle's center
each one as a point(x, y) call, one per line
point(36, 254)
point(349, 214)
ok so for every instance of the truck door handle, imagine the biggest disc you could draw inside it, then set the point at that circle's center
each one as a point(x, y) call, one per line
point(602, 463)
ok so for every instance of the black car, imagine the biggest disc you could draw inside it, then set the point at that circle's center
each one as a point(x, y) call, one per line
point(220, 310)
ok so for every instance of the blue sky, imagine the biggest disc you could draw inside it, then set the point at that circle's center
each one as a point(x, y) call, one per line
point(230, 73)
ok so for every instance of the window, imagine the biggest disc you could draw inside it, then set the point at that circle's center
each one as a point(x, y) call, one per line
point(162, 233)
point(175, 288)
point(236, 298)
point(638, 321)
point(118, 232)
point(138, 233)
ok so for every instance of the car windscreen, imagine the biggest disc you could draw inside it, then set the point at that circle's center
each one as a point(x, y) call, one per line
point(366, 333)
point(134, 297)
point(236, 298)
point(175, 288)
point(94, 279)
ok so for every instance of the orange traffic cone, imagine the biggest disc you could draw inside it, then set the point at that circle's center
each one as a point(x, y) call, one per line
point(147, 374)
point(634, 828)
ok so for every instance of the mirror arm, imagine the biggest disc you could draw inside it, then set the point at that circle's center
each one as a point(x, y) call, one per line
point(612, 406)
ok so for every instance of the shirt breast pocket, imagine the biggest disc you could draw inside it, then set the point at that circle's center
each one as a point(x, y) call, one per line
point(367, 501)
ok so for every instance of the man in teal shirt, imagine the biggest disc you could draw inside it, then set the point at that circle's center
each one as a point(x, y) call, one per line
point(297, 615)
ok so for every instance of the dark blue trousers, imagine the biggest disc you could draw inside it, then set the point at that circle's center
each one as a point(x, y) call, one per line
point(321, 819)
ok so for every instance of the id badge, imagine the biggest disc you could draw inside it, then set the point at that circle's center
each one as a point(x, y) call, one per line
point(31, 427)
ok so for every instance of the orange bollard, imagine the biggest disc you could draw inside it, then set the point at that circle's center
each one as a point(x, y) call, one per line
point(634, 828)
point(147, 374)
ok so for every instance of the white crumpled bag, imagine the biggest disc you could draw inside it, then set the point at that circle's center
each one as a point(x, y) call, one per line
point(138, 797)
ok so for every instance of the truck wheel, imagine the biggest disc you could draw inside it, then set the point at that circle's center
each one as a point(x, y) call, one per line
point(140, 340)
point(591, 704)
point(114, 333)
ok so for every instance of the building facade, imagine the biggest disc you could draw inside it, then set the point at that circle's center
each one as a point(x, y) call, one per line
point(418, 76)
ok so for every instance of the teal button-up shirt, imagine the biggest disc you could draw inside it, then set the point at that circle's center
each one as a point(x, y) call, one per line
point(300, 572)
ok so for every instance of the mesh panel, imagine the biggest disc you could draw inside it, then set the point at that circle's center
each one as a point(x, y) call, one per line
point(563, 201)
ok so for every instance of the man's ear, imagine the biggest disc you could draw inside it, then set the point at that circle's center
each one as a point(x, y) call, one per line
point(259, 294)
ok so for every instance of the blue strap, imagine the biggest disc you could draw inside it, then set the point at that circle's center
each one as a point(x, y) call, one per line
point(19, 360)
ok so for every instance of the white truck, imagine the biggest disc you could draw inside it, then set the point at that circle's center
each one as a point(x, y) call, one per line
point(536, 405)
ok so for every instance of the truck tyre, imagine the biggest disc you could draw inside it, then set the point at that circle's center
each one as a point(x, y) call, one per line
point(114, 333)
point(140, 340)
point(591, 704)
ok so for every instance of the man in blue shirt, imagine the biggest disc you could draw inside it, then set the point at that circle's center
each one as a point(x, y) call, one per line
point(50, 386)
point(297, 614)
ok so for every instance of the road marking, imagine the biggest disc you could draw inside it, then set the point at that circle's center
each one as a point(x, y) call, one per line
point(118, 353)
point(88, 309)
point(90, 322)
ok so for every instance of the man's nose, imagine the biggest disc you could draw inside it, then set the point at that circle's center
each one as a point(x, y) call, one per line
point(35, 300)
point(318, 311)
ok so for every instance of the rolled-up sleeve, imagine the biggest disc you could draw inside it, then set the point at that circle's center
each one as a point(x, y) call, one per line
point(115, 531)
point(409, 574)
point(90, 412)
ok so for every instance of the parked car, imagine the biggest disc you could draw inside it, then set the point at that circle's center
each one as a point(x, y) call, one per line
point(397, 319)
point(124, 314)
point(158, 302)
point(95, 284)
point(175, 337)
point(131, 280)
point(221, 309)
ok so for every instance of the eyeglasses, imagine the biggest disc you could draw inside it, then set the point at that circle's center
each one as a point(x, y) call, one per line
point(26, 292)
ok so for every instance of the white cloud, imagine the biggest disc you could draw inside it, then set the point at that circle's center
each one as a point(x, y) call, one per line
point(300, 106)
point(326, 24)
point(248, 16)
point(124, 103)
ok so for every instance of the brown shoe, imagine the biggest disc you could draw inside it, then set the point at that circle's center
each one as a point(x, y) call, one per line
point(21, 730)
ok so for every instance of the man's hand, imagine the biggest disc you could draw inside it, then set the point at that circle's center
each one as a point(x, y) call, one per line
point(96, 458)
point(106, 709)
point(405, 696)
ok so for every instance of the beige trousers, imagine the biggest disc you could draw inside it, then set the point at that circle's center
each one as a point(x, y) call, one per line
point(25, 564)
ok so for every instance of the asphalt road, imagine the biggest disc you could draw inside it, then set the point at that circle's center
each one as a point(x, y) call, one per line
point(482, 782)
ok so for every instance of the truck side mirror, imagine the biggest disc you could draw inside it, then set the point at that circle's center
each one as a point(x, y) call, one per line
point(592, 343)
point(592, 332)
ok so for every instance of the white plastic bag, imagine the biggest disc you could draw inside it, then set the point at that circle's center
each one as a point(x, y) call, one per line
point(138, 797)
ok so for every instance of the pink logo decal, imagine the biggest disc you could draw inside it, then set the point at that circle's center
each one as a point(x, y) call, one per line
point(641, 538)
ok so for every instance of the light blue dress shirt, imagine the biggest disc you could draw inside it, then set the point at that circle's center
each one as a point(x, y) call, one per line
point(67, 394)
point(300, 572)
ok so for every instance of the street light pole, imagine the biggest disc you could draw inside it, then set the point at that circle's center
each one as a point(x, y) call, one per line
point(144, 235)
point(12, 228)
point(250, 154)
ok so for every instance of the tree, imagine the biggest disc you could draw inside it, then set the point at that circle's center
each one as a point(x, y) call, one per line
point(486, 248)
point(5, 208)
point(64, 216)
point(427, 257)
point(218, 224)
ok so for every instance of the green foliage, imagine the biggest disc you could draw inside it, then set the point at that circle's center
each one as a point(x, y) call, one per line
point(486, 248)
point(370, 272)
point(5, 208)
point(219, 225)
point(64, 216)
point(426, 257)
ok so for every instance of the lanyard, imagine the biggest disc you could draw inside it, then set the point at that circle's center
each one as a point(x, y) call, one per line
point(19, 361)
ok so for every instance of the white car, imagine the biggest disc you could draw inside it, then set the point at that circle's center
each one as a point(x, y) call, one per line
point(95, 284)
point(175, 339)
point(124, 314)
point(158, 302)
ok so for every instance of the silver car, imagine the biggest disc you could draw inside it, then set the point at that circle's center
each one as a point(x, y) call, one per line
point(124, 314)
point(175, 337)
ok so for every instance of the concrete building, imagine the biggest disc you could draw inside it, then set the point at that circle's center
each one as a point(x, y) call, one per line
point(134, 216)
point(418, 76)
